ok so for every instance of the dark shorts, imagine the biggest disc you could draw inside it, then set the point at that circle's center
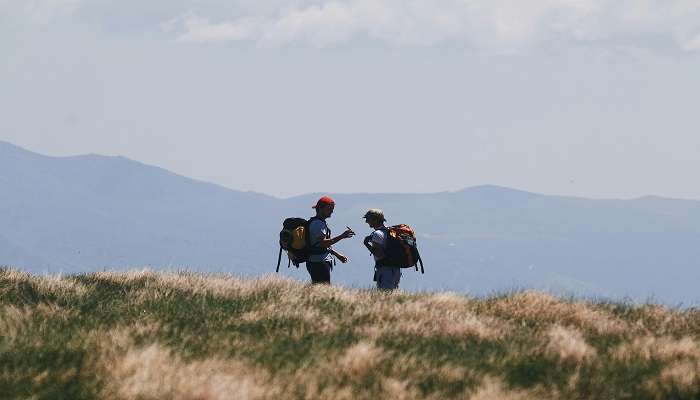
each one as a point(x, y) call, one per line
point(387, 277)
point(320, 271)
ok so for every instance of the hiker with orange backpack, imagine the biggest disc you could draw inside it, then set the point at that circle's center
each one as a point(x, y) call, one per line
point(321, 253)
point(387, 276)
point(393, 248)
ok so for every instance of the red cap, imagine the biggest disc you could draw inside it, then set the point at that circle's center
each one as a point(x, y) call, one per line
point(324, 201)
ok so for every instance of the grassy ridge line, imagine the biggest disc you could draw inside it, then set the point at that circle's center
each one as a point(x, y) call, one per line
point(149, 335)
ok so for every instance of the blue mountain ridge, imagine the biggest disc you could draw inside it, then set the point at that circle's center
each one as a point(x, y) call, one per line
point(86, 213)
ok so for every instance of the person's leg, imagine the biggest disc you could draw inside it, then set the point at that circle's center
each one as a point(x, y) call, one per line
point(388, 278)
point(325, 272)
point(320, 272)
point(397, 277)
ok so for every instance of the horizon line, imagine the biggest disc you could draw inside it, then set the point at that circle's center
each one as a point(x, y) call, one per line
point(316, 193)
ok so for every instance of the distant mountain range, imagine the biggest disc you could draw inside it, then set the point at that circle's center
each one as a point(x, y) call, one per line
point(86, 213)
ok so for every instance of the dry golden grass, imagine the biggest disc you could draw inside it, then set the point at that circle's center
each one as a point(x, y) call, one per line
point(154, 372)
point(416, 318)
point(662, 348)
point(568, 344)
point(148, 335)
point(13, 320)
point(545, 308)
point(54, 285)
point(360, 360)
point(494, 389)
point(682, 374)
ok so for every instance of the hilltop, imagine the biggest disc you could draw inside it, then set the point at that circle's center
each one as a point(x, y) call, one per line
point(149, 335)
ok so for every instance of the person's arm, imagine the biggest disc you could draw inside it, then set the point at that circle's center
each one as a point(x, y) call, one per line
point(377, 251)
point(339, 256)
point(327, 243)
point(375, 246)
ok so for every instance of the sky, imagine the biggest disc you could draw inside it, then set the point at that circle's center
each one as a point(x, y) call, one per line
point(592, 98)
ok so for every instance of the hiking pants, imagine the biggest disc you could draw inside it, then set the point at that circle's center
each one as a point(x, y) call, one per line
point(387, 277)
point(320, 271)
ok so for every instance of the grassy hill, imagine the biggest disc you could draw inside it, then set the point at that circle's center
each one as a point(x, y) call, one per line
point(148, 335)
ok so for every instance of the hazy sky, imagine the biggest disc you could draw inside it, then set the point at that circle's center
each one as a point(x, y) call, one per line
point(598, 98)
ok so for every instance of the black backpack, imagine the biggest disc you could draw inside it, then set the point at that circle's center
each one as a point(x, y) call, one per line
point(294, 239)
point(401, 248)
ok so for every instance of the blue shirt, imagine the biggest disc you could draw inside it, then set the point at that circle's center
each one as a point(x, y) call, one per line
point(317, 230)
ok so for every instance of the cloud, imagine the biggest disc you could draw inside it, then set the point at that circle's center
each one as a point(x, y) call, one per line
point(39, 12)
point(692, 44)
point(497, 25)
point(201, 30)
point(493, 24)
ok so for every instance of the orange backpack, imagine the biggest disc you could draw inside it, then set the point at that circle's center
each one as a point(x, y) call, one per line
point(401, 249)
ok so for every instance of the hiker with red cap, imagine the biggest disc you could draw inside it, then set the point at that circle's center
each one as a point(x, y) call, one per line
point(321, 253)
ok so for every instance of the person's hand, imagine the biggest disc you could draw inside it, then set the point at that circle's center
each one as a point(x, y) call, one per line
point(348, 233)
point(342, 258)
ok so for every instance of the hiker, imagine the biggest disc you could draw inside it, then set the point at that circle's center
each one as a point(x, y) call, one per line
point(387, 276)
point(320, 262)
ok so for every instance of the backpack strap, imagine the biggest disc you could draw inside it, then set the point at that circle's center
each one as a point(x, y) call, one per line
point(420, 260)
point(279, 260)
